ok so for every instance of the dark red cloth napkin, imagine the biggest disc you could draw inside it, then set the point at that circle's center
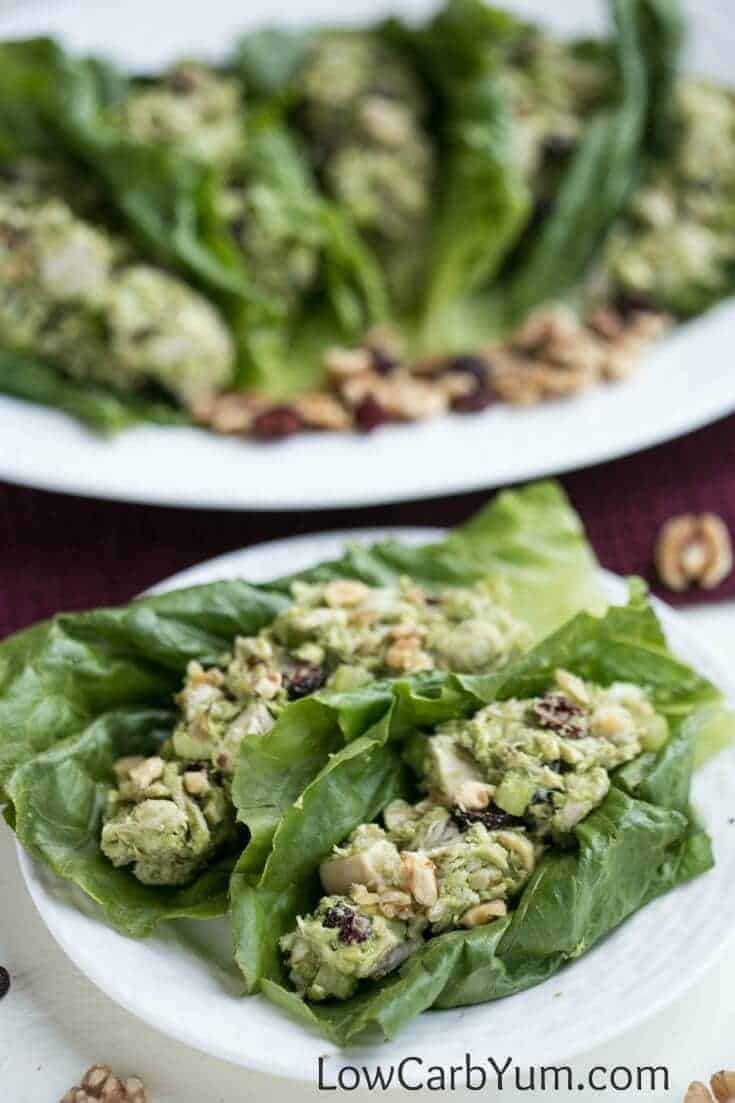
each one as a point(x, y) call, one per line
point(63, 553)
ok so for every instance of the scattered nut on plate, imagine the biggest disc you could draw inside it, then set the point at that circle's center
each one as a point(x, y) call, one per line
point(693, 549)
point(100, 1085)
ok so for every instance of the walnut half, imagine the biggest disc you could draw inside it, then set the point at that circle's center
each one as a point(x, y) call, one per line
point(693, 549)
point(723, 1086)
point(99, 1085)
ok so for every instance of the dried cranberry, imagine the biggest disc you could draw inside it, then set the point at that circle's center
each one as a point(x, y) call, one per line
point(468, 365)
point(4, 982)
point(558, 713)
point(633, 302)
point(277, 423)
point(382, 363)
point(492, 817)
point(369, 414)
point(472, 403)
point(481, 395)
point(351, 926)
point(303, 679)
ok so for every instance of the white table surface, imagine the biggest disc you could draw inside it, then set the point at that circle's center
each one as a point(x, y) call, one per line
point(54, 1023)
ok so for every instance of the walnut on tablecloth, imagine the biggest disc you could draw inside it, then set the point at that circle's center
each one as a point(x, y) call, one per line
point(693, 549)
point(99, 1085)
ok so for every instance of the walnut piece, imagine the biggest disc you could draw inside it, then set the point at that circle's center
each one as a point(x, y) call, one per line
point(344, 363)
point(723, 1086)
point(473, 796)
point(419, 877)
point(693, 549)
point(697, 1093)
point(322, 410)
point(482, 914)
point(99, 1085)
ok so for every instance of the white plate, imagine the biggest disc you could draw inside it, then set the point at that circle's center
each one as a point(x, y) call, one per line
point(686, 382)
point(640, 968)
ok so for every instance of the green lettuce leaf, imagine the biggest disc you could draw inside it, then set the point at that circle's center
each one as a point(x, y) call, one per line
point(483, 201)
point(282, 350)
point(268, 60)
point(642, 841)
point(56, 810)
point(100, 408)
point(609, 158)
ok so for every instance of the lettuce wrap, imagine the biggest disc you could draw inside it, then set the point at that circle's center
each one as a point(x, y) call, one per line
point(642, 841)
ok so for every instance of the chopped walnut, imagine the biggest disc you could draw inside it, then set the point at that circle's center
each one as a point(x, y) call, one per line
point(419, 877)
point(527, 383)
point(196, 782)
point(473, 796)
point(693, 549)
point(697, 1093)
point(123, 766)
point(322, 411)
point(723, 1086)
point(482, 914)
point(342, 363)
point(100, 1086)
point(552, 326)
point(553, 354)
point(409, 399)
point(230, 413)
point(405, 656)
point(386, 340)
point(402, 396)
point(356, 388)
point(392, 903)
point(345, 592)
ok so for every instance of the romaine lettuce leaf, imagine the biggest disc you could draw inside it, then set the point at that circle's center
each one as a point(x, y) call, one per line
point(483, 201)
point(608, 161)
point(100, 408)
